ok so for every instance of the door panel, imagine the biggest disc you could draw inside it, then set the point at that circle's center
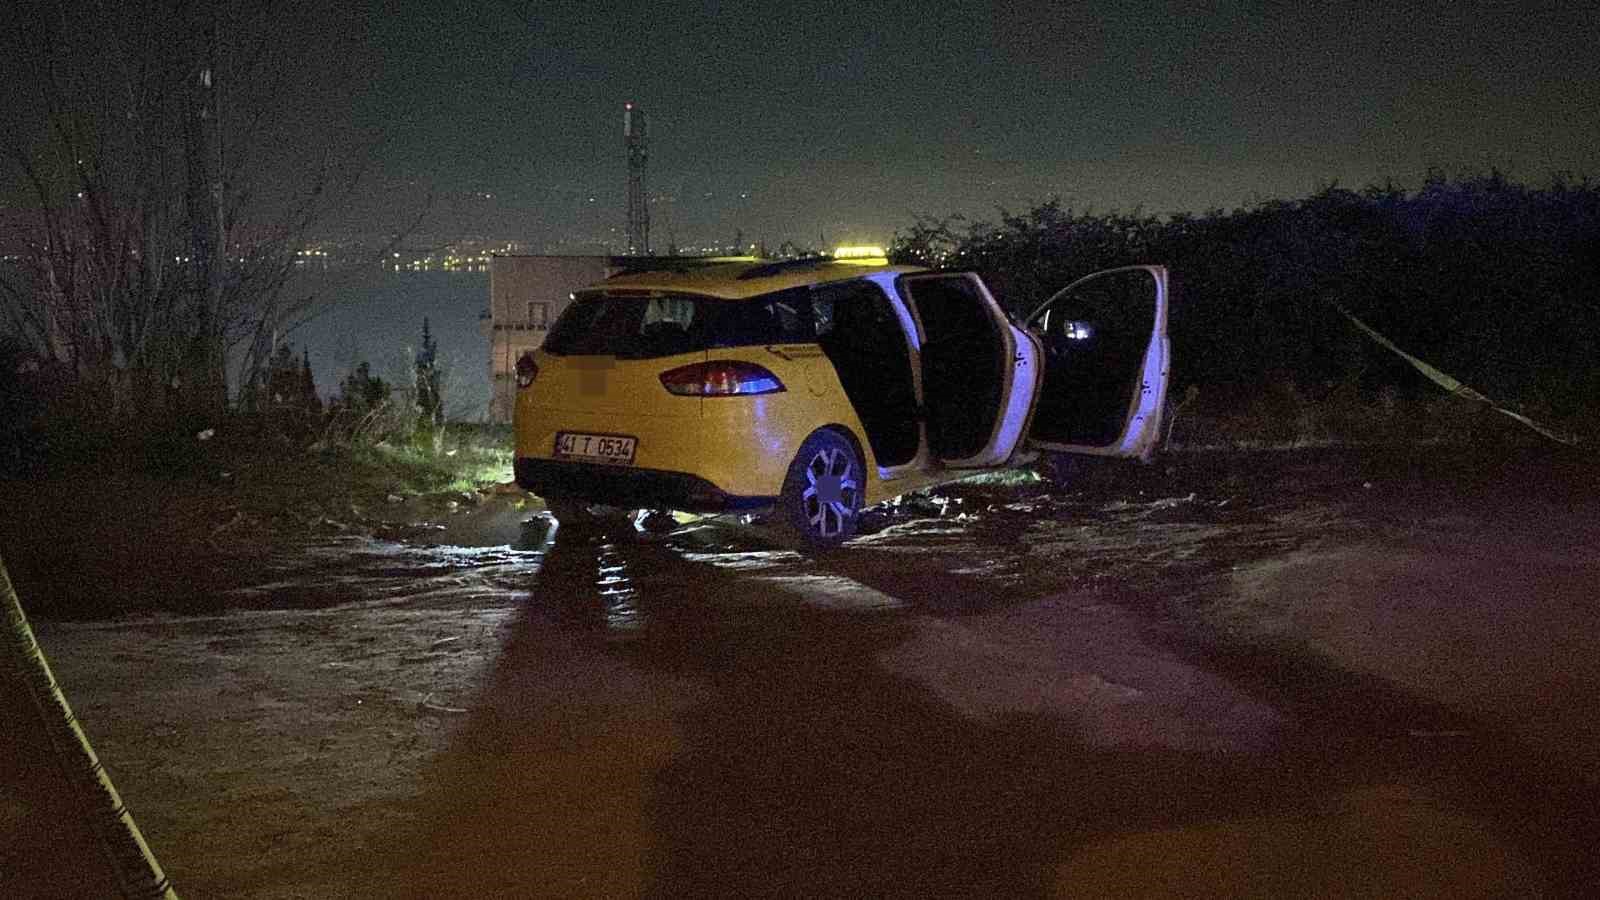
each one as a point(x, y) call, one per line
point(1106, 359)
point(967, 349)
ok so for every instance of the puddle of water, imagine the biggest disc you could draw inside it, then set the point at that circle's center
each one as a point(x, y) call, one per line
point(962, 549)
point(360, 570)
point(618, 593)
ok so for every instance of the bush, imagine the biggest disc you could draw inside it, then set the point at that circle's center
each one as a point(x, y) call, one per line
point(1487, 279)
point(366, 411)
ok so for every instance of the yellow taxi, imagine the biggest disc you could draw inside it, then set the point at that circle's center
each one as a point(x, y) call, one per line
point(811, 388)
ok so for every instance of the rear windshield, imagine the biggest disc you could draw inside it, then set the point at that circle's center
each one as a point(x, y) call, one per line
point(645, 327)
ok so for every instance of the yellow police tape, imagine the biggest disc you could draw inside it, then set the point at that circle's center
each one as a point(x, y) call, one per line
point(137, 872)
point(1452, 385)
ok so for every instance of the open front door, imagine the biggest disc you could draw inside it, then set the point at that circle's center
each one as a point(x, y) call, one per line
point(976, 381)
point(1106, 358)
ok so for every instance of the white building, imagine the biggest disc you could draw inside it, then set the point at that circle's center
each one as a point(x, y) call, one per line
point(526, 293)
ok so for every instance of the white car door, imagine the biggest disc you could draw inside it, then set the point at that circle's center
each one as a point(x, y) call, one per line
point(977, 373)
point(1106, 357)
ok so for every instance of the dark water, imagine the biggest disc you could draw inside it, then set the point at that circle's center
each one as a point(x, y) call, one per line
point(377, 317)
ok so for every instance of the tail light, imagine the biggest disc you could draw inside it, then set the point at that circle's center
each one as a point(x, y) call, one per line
point(720, 378)
point(527, 369)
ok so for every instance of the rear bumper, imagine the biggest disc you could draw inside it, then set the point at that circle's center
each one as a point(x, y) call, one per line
point(630, 487)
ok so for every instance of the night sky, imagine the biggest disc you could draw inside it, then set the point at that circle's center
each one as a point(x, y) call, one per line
point(800, 121)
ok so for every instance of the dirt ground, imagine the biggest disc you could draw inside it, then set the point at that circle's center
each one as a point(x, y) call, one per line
point(1310, 673)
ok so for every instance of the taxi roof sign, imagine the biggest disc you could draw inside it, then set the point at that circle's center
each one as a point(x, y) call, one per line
point(861, 253)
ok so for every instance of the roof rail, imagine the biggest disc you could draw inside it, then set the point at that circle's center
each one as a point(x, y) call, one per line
point(637, 265)
point(783, 265)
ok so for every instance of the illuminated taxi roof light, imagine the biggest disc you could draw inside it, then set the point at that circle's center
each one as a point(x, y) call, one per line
point(862, 252)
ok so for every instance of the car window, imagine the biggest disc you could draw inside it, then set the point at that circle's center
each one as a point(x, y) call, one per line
point(856, 306)
point(645, 327)
point(782, 317)
point(677, 311)
point(629, 327)
point(951, 309)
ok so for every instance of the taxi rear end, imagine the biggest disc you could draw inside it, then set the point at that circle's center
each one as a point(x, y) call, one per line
point(632, 402)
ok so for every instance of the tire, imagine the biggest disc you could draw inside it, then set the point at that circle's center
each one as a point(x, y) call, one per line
point(827, 464)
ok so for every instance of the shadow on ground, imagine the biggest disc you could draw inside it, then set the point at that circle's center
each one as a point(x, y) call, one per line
point(664, 726)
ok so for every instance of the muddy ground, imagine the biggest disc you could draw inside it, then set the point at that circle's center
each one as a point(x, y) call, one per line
point(1276, 674)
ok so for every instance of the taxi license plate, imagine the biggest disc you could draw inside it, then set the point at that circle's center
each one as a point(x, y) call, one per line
point(614, 449)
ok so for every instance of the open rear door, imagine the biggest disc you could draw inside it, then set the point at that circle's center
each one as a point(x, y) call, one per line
point(976, 385)
point(1106, 358)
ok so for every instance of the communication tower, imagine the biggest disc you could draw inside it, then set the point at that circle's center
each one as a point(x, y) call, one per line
point(633, 137)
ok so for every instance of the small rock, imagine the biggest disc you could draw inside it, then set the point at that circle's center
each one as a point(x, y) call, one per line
point(452, 505)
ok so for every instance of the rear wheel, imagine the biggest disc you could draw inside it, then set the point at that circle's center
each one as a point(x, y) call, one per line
point(821, 496)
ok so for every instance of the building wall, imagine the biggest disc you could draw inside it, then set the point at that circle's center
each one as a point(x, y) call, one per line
point(526, 293)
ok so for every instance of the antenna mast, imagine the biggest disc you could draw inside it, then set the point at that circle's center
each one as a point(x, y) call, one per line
point(633, 137)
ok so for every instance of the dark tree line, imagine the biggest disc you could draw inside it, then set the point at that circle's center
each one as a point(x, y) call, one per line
point(1489, 279)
